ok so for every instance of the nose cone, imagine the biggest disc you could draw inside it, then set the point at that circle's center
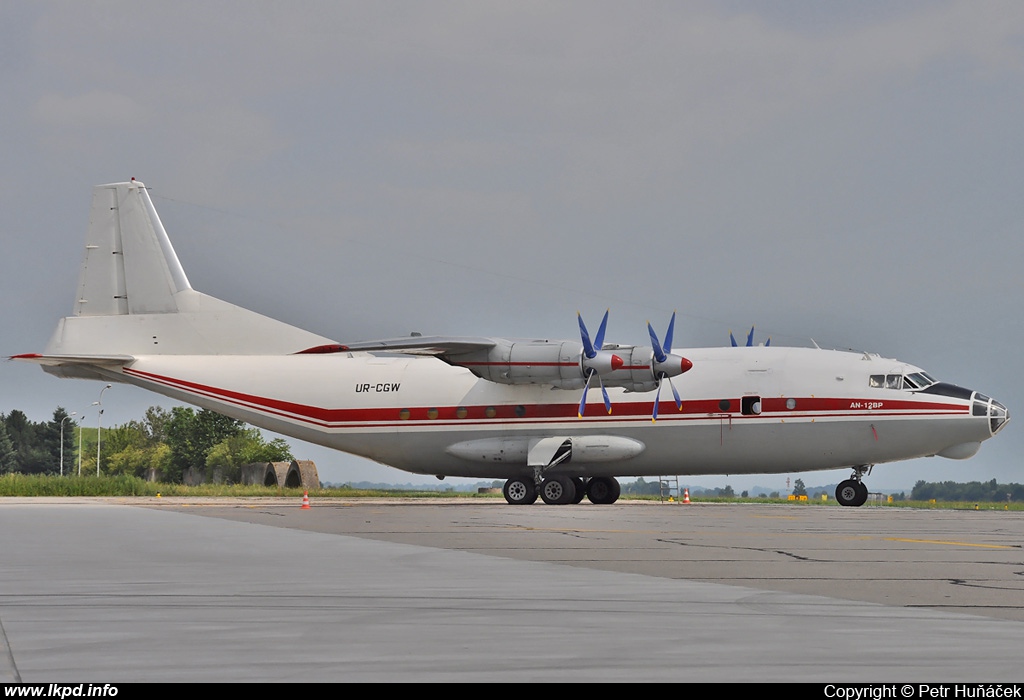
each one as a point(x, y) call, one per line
point(984, 407)
point(671, 366)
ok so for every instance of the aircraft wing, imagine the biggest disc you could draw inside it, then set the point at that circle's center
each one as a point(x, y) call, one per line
point(425, 345)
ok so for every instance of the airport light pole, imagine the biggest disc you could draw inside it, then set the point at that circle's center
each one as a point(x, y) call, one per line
point(94, 403)
point(99, 420)
point(73, 413)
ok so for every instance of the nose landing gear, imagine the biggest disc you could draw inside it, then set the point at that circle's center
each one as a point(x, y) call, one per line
point(853, 491)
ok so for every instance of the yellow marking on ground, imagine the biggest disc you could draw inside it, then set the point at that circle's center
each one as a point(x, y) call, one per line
point(955, 544)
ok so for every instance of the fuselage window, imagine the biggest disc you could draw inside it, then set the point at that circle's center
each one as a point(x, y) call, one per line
point(790, 404)
point(724, 404)
point(461, 412)
point(404, 414)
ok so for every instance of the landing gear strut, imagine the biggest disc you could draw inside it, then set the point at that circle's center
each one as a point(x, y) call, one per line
point(853, 491)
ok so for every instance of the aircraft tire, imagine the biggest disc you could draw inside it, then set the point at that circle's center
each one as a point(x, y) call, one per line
point(851, 493)
point(520, 492)
point(862, 493)
point(581, 489)
point(603, 490)
point(557, 490)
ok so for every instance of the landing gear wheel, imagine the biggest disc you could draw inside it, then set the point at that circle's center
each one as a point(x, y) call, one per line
point(851, 493)
point(520, 492)
point(603, 490)
point(557, 490)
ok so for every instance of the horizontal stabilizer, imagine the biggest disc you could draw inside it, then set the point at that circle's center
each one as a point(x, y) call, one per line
point(101, 367)
point(58, 360)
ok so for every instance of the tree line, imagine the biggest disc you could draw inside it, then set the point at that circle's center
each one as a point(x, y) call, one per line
point(977, 491)
point(163, 445)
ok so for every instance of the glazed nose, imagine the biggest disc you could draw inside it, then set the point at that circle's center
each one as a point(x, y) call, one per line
point(998, 414)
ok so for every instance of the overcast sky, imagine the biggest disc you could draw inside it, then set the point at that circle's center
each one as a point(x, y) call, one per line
point(847, 172)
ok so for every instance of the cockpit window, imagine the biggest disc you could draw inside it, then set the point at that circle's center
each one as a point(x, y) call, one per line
point(915, 381)
point(923, 379)
point(886, 381)
point(918, 380)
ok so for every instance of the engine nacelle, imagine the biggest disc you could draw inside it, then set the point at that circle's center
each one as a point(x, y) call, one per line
point(561, 364)
point(641, 371)
point(557, 363)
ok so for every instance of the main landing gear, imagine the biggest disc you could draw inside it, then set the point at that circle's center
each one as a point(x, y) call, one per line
point(520, 492)
point(560, 489)
point(853, 491)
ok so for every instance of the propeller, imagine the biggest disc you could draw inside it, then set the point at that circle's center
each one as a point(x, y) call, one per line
point(596, 361)
point(665, 365)
point(750, 339)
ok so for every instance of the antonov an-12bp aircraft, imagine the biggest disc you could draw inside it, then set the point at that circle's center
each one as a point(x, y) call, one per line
point(498, 408)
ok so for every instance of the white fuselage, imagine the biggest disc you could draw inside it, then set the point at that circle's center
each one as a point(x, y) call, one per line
point(745, 410)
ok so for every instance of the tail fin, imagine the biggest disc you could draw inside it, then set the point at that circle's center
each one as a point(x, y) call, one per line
point(134, 298)
point(130, 266)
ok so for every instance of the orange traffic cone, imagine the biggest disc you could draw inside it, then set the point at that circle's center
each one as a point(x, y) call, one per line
point(686, 495)
point(305, 500)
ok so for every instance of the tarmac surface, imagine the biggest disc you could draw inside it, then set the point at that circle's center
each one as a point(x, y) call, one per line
point(138, 590)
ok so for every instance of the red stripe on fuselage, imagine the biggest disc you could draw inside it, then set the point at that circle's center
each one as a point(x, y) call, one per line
point(702, 409)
